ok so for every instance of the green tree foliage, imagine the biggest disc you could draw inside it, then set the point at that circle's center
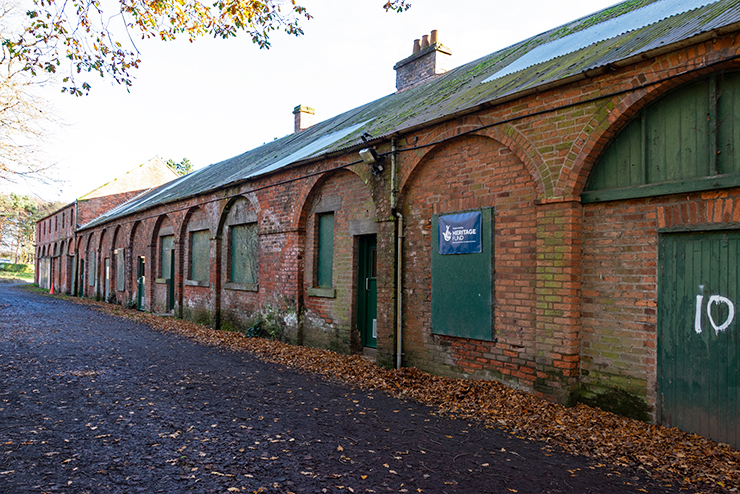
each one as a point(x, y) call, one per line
point(77, 37)
point(182, 168)
point(18, 216)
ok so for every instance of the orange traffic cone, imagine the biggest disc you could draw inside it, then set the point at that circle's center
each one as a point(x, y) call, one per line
point(52, 288)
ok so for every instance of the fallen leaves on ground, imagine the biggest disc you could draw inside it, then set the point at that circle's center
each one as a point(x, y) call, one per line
point(668, 453)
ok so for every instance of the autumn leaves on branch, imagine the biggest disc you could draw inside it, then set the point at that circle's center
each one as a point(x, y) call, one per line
point(75, 38)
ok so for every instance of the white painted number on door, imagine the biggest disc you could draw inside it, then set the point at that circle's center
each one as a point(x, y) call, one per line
point(714, 299)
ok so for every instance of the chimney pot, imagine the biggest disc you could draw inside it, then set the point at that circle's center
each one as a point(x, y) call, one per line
point(303, 117)
point(424, 64)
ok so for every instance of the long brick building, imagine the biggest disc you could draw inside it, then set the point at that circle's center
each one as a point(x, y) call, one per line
point(55, 233)
point(562, 215)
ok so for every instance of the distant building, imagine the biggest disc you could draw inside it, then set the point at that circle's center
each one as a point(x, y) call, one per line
point(562, 215)
point(55, 233)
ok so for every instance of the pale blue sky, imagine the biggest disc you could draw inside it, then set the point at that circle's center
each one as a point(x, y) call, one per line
point(215, 99)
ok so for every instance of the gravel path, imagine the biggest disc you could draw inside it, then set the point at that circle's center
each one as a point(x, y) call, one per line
point(96, 404)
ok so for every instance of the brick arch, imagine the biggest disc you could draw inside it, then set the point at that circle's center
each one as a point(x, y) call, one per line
point(118, 238)
point(311, 185)
point(507, 135)
point(440, 133)
point(606, 124)
point(102, 240)
point(188, 217)
point(250, 197)
point(81, 246)
point(136, 229)
point(158, 225)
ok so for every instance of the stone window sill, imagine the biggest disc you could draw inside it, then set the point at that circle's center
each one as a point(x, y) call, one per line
point(244, 287)
point(197, 283)
point(322, 292)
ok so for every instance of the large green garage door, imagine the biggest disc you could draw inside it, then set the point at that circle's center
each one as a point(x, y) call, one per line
point(698, 346)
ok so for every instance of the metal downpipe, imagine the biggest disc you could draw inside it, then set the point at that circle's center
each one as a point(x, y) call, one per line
point(399, 257)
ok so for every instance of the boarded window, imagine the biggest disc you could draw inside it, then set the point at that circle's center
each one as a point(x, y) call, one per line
point(244, 254)
point(200, 245)
point(687, 141)
point(462, 277)
point(91, 270)
point(325, 250)
point(168, 243)
point(120, 270)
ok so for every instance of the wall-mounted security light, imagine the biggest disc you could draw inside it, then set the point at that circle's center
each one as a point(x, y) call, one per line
point(370, 157)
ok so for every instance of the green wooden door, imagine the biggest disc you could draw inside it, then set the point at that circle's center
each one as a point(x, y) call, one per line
point(367, 291)
point(141, 283)
point(698, 346)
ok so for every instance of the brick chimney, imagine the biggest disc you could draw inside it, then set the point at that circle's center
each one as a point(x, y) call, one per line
point(303, 117)
point(429, 59)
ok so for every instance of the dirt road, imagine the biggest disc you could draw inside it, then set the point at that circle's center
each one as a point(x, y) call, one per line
point(96, 404)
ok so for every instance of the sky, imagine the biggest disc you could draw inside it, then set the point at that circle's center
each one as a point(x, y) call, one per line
point(214, 99)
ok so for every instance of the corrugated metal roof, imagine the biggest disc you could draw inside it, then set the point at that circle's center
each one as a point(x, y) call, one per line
point(636, 19)
point(460, 89)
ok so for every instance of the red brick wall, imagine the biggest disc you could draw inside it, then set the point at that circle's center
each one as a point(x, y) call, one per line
point(330, 321)
point(473, 173)
point(53, 236)
point(620, 287)
point(574, 285)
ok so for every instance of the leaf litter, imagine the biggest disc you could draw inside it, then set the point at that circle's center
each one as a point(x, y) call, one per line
point(669, 454)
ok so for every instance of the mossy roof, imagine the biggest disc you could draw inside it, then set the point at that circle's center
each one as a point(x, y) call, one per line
point(467, 88)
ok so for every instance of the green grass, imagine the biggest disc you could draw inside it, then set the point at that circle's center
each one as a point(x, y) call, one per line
point(16, 276)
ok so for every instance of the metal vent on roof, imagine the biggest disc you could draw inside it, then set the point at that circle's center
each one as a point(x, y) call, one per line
point(611, 28)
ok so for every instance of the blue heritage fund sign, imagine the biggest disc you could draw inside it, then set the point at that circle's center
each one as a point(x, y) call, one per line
point(460, 233)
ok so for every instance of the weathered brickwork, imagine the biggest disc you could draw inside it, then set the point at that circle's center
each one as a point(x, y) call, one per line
point(473, 173)
point(620, 287)
point(574, 285)
point(329, 317)
point(55, 234)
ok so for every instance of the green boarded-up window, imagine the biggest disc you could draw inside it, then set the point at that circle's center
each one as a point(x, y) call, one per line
point(200, 246)
point(120, 270)
point(325, 250)
point(168, 243)
point(462, 284)
point(244, 254)
point(91, 270)
point(689, 140)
